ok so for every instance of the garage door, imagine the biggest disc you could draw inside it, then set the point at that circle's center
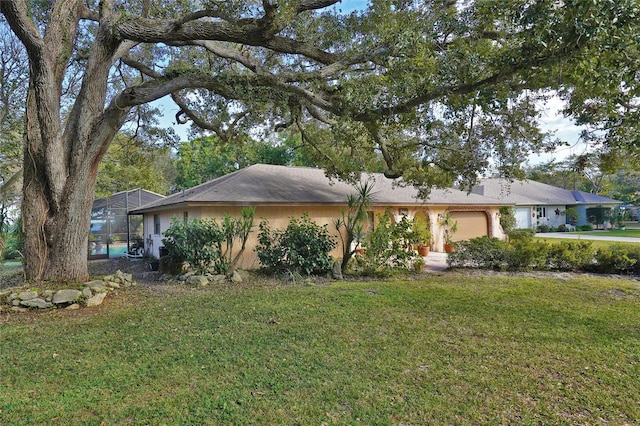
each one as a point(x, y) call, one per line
point(470, 225)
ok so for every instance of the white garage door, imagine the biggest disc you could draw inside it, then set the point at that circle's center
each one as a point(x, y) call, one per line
point(470, 225)
point(523, 218)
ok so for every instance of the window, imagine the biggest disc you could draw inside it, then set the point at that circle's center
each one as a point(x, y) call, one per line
point(541, 212)
point(156, 224)
point(185, 216)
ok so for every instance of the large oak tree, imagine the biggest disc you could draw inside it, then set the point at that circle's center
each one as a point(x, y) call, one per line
point(440, 90)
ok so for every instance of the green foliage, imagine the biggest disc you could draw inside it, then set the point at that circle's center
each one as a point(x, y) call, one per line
point(527, 254)
point(206, 158)
point(587, 227)
point(130, 164)
point(523, 254)
point(572, 215)
point(483, 252)
point(350, 224)
point(516, 234)
point(570, 256)
point(389, 246)
point(615, 259)
point(450, 227)
point(508, 220)
point(421, 230)
point(598, 215)
point(206, 245)
point(302, 248)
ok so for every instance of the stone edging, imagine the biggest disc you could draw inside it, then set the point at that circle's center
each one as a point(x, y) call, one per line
point(93, 294)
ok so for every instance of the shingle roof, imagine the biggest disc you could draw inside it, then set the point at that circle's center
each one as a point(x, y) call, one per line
point(528, 192)
point(268, 184)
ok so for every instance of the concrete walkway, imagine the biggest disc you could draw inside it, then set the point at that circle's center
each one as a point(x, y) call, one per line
point(572, 236)
point(436, 262)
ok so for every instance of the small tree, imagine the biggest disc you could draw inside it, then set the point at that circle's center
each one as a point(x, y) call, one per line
point(351, 221)
point(598, 215)
point(572, 215)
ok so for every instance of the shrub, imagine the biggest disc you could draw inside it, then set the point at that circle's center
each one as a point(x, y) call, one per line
point(521, 233)
point(587, 227)
point(482, 252)
point(302, 248)
point(570, 255)
point(389, 245)
point(562, 228)
point(543, 228)
point(206, 245)
point(615, 259)
point(527, 254)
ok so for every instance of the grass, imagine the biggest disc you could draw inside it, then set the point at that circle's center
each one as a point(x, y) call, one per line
point(451, 349)
point(613, 233)
point(8, 265)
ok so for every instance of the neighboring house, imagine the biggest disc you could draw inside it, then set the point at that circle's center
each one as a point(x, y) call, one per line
point(538, 204)
point(279, 193)
point(113, 231)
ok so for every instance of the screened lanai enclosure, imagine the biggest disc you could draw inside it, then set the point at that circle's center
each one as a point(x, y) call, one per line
point(113, 232)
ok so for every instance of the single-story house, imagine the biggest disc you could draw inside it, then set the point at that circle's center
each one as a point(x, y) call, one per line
point(538, 204)
point(280, 192)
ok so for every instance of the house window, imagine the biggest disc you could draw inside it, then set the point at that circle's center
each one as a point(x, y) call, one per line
point(156, 224)
point(185, 216)
point(541, 212)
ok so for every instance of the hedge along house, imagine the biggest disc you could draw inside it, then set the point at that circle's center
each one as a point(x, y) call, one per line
point(113, 231)
point(279, 193)
point(539, 204)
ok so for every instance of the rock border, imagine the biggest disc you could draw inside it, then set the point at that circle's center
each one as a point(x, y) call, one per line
point(93, 294)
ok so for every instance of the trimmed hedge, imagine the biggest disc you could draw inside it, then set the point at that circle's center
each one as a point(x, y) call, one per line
point(525, 253)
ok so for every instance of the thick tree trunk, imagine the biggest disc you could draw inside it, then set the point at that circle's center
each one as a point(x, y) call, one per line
point(56, 241)
point(56, 208)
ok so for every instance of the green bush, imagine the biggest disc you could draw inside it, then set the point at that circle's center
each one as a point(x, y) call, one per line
point(302, 248)
point(543, 228)
point(615, 259)
point(516, 234)
point(528, 254)
point(482, 252)
point(389, 246)
point(525, 253)
point(571, 256)
point(587, 227)
point(206, 245)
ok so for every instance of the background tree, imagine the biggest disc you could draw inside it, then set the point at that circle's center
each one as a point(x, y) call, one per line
point(130, 164)
point(205, 158)
point(13, 76)
point(440, 91)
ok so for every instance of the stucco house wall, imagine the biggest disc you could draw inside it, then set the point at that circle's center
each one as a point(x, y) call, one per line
point(276, 191)
point(279, 216)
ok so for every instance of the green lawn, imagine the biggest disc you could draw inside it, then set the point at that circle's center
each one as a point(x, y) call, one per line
point(613, 233)
point(451, 349)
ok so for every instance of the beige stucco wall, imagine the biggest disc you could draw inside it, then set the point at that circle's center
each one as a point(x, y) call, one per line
point(279, 216)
